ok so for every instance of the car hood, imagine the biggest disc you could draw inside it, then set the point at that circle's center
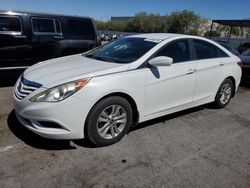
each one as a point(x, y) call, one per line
point(65, 69)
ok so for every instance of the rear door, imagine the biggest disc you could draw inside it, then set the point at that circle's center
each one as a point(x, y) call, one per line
point(15, 51)
point(211, 63)
point(46, 32)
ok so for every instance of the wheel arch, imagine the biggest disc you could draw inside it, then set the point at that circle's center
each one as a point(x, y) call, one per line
point(135, 112)
point(234, 84)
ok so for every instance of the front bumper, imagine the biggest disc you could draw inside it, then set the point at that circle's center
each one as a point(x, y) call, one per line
point(68, 115)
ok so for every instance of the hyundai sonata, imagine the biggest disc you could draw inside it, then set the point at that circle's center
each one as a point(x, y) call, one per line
point(98, 95)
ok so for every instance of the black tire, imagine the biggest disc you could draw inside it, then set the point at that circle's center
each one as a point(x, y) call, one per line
point(218, 101)
point(92, 123)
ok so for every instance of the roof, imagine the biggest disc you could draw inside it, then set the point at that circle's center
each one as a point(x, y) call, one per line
point(233, 23)
point(157, 36)
point(17, 12)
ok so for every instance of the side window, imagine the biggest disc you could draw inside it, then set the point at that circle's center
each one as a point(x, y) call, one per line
point(58, 26)
point(10, 24)
point(80, 27)
point(206, 50)
point(46, 25)
point(178, 50)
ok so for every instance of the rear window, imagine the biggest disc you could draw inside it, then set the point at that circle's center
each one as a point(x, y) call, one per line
point(206, 50)
point(80, 27)
point(247, 52)
point(10, 24)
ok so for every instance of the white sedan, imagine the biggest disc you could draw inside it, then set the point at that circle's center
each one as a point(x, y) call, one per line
point(99, 94)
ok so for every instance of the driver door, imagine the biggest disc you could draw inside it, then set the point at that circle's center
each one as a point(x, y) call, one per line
point(169, 88)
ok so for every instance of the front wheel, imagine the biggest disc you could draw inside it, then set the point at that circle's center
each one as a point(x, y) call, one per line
point(224, 94)
point(108, 121)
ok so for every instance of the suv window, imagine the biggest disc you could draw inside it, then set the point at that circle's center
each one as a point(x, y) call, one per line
point(10, 24)
point(58, 26)
point(46, 25)
point(178, 50)
point(206, 50)
point(80, 27)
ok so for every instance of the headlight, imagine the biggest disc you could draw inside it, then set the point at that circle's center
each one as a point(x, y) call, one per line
point(61, 92)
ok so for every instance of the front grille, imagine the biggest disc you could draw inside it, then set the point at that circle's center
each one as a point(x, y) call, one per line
point(25, 87)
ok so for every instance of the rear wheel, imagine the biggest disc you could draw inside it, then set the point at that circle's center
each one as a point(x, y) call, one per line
point(224, 94)
point(108, 121)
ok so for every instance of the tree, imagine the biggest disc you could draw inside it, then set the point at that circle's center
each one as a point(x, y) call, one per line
point(186, 22)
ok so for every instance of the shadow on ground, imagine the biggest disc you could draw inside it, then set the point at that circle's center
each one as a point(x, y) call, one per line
point(39, 142)
point(166, 118)
point(33, 139)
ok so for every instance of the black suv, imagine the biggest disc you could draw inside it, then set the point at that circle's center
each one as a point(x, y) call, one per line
point(27, 38)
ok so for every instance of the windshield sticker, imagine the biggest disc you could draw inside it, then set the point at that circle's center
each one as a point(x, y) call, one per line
point(153, 40)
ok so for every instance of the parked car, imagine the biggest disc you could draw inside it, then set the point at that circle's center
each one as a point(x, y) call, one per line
point(245, 59)
point(27, 38)
point(243, 47)
point(229, 48)
point(99, 94)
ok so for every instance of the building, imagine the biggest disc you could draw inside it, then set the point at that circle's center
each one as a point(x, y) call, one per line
point(122, 19)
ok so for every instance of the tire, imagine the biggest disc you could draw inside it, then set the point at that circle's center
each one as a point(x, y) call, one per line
point(224, 94)
point(108, 121)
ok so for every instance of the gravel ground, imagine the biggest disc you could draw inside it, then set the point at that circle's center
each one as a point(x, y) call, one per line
point(201, 147)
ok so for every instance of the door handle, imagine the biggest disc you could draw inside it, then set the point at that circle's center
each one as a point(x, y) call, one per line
point(20, 36)
point(58, 37)
point(222, 64)
point(191, 71)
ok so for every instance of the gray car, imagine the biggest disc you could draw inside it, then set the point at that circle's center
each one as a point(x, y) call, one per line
point(245, 59)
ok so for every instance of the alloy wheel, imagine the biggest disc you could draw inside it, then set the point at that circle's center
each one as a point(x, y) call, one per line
point(111, 121)
point(225, 93)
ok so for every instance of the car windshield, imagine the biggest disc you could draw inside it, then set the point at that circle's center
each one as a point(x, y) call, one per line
point(247, 52)
point(125, 50)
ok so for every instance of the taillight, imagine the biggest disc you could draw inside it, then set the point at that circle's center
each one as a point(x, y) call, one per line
point(240, 64)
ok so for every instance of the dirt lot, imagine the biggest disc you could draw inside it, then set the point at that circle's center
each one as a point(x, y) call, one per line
point(201, 147)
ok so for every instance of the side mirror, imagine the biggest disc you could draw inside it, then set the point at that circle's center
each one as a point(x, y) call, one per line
point(161, 61)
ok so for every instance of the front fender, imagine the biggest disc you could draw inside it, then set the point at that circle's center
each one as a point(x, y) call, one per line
point(130, 83)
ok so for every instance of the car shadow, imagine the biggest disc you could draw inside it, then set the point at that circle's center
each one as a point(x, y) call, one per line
point(39, 142)
point(169, 117)
point(33, 139)
point(9, 78)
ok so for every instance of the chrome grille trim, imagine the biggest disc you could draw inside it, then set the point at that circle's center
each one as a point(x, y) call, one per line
point(25, 87)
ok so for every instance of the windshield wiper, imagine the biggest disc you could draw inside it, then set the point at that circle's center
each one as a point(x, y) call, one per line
point(102, 58)
point(88, 55)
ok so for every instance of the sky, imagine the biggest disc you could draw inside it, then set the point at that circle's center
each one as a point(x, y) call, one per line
point(104, 9)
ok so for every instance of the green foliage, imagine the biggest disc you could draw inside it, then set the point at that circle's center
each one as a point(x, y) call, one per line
point(112, 26)
point(177, 22)
point(223, 31)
